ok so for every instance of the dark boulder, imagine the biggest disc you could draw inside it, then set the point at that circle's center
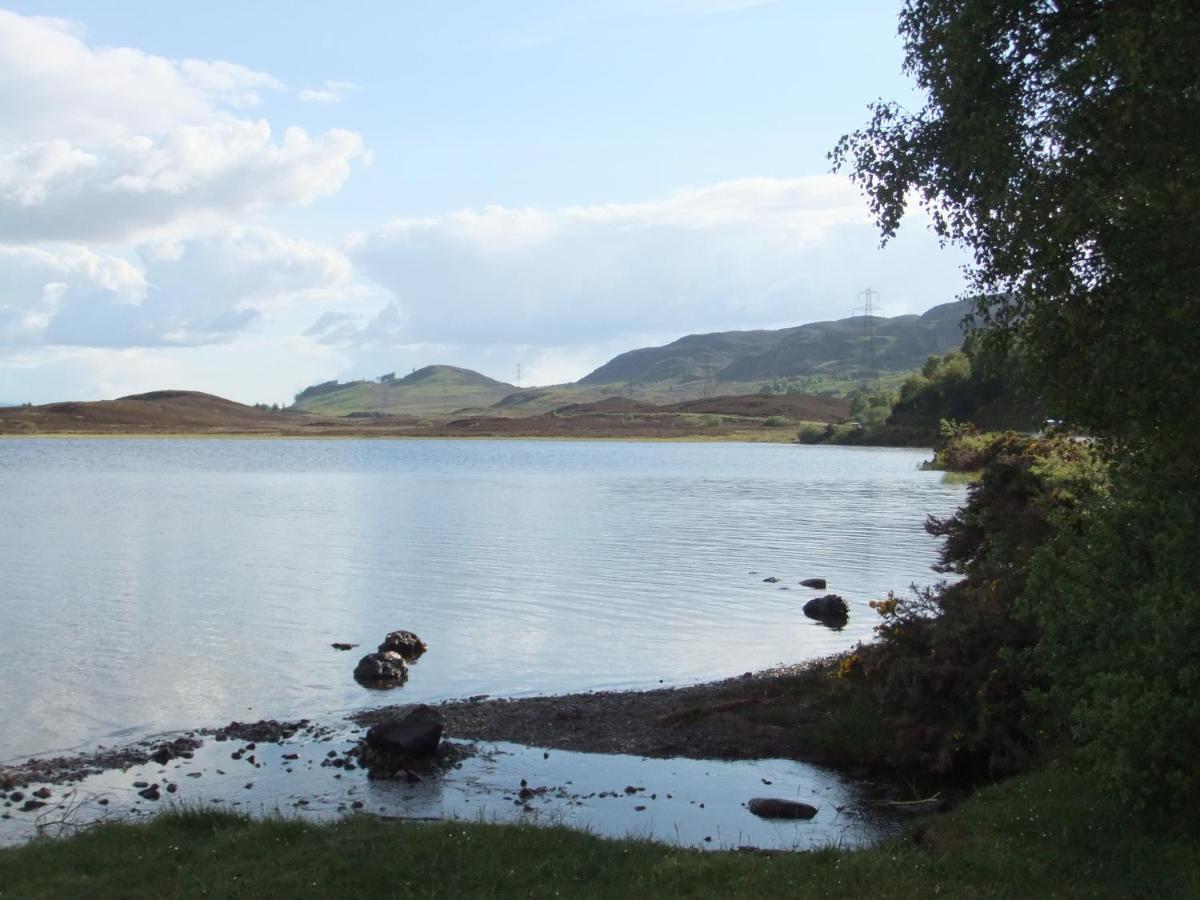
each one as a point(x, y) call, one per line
point(338, 645)
point(771, 579)
point(405, 643)
point(815, 583)
point(414, 735)
point(383, 669)
point(150, 793)
point(774, 808)
point(828, 610)
point(393, 748)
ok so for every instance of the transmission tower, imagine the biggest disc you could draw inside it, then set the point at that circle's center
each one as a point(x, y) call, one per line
point(869, 310)
point(517, 376)
point(710, 381)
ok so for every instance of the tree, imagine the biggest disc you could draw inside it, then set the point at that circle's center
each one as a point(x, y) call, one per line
point(1059, 144)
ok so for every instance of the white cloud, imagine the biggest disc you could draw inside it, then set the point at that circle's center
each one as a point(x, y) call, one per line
point(56, 86)
point(113, 144)
point(36, 285)
point(200, 292)
point(53, 190)
point(330, 92)
point(748, 253)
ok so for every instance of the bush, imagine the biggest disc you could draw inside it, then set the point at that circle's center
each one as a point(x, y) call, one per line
point(950, 673)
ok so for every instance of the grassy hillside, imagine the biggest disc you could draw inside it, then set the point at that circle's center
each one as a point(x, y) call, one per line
point(827, 349)
point(431, 392)
point(825, 358)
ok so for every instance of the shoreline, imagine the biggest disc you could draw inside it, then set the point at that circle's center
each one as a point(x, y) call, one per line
point(747, 437)
point(717, 720)
point(576, 750)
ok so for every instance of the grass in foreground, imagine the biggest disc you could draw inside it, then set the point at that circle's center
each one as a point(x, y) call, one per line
point(1046, 834)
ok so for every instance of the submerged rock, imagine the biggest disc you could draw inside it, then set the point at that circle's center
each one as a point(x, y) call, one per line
point(382, 669)
point(338, 645)
point(828, 610)
point(770, 579)
point(816, 583)
point(180, 748)
point(775, 808)
point(405, 643)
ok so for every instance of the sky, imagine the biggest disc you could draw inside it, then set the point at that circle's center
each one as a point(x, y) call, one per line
point(247, 198)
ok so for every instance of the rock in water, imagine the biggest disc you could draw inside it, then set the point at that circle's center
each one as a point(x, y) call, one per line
point(770, 579)
point(391, 749)
point(414, 735)
point(815, 583)
point(382, 669)
point(773, 808)
point(338, 645)
point(405, 643)
point(828, 610)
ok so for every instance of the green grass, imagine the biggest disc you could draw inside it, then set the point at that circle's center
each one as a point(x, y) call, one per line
point(1050, 834)
point(425, 400)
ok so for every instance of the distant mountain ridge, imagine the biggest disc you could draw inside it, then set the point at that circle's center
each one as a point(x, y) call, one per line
point(818, 348)
point(696, 365)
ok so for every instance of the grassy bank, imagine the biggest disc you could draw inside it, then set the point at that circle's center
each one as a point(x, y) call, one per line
point(1045, 834)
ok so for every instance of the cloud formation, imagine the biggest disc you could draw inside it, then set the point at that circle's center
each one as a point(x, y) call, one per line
point(330, 92)
point(56, 86)
point(126, 184)
point(753, 252)
point(129, 188)
point(204, 291)
point(113, 144)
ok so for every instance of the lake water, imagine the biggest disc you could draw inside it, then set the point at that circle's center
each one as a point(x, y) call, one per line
point(160, 584)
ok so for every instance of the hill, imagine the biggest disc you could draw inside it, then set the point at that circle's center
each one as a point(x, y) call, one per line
point(168, 412)
point(750, 418)
point(832, 349)
point(434, 391)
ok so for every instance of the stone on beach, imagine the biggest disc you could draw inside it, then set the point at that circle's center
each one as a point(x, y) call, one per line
point(393, 748)
point(414, 735)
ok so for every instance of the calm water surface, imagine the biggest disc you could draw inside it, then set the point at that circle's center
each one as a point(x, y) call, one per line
point(159, 584)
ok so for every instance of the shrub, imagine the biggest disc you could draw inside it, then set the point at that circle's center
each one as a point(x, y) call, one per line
point(950, 672)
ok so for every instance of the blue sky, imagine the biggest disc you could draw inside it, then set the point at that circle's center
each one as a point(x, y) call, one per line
point(248, 197)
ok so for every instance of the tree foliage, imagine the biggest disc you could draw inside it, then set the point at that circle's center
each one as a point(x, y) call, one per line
point(1059, 144)
point(974, 384)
